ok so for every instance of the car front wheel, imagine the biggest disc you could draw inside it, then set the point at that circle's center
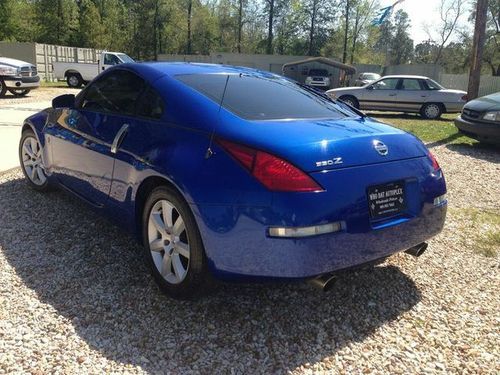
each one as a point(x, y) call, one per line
point(3, 89)
point(350, 100)
point(431, 111)
point(173, 246)
point(30, 156)
point(19, 92)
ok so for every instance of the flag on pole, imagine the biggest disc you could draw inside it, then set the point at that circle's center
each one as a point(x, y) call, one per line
point(384, 14)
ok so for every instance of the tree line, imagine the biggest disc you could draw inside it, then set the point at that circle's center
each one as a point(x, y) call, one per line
point(340, 29)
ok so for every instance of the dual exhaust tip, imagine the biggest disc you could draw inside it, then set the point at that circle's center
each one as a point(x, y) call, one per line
point(327, 281)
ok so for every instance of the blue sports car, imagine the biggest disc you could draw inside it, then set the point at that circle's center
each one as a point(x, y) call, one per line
point(236, 173)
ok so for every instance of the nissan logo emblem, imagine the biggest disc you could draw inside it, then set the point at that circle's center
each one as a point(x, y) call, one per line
point(381, 148)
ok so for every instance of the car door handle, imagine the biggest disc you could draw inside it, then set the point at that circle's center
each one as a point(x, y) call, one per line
point(119, 138)
point(392, 94)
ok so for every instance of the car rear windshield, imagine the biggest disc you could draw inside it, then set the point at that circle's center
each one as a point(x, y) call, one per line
point(318, 72)
point(254, 97)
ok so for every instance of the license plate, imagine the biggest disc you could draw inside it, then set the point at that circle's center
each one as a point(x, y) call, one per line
point(386, 200)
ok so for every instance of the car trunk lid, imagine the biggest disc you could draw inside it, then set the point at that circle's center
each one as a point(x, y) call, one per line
point(321, 144)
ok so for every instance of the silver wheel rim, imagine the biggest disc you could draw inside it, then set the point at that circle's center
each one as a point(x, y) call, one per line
point(20, 92)
point(349, 102)
point(32, 160)
point(73, 81)
point(168, 241)
point(432, 111)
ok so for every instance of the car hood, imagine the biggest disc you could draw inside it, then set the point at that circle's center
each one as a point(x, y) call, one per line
point(13, 62)
point(486, 103)
point(452, 91)
point(344, 89)
point(317, 144)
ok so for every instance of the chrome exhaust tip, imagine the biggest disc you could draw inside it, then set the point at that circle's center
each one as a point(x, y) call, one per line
point(418, 250)
point(323, 282)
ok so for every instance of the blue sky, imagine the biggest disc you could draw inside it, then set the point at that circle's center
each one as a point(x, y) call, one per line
point(424, 12)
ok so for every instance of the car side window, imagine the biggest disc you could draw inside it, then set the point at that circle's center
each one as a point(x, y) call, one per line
point(386, 84)
point(110, 59)
point(411, 84)
point(150, 105)
point(115, 92)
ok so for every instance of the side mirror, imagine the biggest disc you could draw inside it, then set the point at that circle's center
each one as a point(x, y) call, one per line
point(370, 87)
point(64, 101)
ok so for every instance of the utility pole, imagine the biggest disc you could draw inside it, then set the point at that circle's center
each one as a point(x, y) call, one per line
point(477, 49)
point(344, 55)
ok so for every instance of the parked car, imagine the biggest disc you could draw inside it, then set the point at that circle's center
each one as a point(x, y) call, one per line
point(403, 94)
point(366, 78)
point(480, 119)
point(236, 173)
point(319, 78)
point(76, 74)
point(18, 77)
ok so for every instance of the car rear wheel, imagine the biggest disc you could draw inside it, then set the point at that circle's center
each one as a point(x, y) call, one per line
point(350, 100)
point(74, 80)
point(431, 111)
point(173, 247)
point(30, 155)
point(19, 92)
point(3, 89)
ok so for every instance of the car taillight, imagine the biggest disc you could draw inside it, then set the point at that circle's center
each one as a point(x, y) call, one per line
point(435, 164)
point(274, 173)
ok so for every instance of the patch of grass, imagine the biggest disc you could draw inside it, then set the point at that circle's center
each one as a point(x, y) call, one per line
point(485, 226)
point(442, 131)
point(53, 84)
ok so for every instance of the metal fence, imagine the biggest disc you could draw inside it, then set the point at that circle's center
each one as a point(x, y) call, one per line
point(488, 84)
point(43, 55)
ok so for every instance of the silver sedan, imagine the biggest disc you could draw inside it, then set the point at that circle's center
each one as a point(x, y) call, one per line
point(415, 94)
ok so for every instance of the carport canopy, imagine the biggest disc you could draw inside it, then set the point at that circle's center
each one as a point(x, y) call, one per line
point(324, 60)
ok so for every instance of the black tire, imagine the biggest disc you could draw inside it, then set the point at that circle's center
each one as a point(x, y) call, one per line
point(3, 89)
point(431, 111)
point(74, 80)
point(197, 277)
point(350, 100)
point(40, 186)
point(19, 92)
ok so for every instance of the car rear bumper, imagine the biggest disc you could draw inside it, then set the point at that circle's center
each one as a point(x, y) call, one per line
point(238, 244)
point(22, 82)
point(479, 130)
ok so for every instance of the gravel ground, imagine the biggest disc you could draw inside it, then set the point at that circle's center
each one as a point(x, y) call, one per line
point(76, 297)
point(40, 94)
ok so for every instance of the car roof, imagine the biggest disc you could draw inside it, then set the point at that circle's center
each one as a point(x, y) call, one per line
point(406, 76)
point(177, 68)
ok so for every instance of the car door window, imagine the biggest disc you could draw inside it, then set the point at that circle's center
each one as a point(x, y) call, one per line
point(411, 84)
point(150, 105)
point(116, 92)
point(110, 59)
point(386, 84)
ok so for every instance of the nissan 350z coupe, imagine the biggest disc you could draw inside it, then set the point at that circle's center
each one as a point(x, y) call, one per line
point(236, 173)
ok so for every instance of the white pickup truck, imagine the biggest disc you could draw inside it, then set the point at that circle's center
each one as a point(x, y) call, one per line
point(18, 77)
point(77, 74)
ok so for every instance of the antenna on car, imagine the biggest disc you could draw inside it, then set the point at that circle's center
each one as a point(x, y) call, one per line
point(209, 152)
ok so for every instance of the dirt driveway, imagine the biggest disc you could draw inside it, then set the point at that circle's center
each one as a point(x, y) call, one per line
point(76, 297)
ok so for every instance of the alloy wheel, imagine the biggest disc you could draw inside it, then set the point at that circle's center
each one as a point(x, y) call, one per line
point(168, 241)
point(32, 161)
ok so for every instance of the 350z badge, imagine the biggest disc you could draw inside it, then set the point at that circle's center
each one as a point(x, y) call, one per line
point(332, 161)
